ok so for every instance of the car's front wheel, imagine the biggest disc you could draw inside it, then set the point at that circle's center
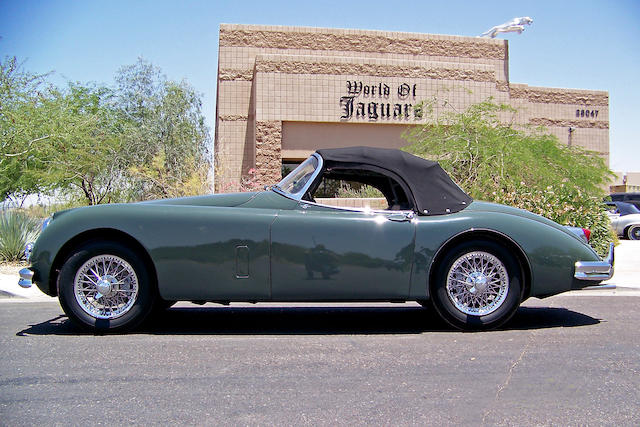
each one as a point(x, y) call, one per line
point(633, 233)
point(477, 286)
point(105, 287)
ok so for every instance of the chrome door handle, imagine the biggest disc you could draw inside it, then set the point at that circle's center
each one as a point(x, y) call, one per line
point(401, 216)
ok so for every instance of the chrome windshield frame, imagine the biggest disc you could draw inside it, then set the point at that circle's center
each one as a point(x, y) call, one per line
point(298, 195)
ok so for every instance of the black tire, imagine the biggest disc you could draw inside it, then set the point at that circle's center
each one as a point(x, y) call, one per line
point(459, 303)
point(119, 308)
point(633, 232)
point(160, 307)
point(163, 304)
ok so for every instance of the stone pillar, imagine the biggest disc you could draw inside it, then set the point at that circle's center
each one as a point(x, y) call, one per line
point(268, 152)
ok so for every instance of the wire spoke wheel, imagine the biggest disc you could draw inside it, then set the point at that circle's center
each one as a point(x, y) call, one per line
point(477, 283)
point(106, 287)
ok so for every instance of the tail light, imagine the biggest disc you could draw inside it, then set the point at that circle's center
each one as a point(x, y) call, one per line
point(587, 234)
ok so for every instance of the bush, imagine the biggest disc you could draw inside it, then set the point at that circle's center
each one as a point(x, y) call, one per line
point(16, 230)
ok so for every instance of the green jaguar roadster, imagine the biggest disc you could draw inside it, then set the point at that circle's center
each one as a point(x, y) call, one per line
point(473, 262)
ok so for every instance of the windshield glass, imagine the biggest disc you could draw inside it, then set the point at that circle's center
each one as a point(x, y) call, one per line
point(294, 182)
point(628, 209)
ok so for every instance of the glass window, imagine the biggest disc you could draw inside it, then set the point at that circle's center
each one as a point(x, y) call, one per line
point(296, 180)
point(340, 188)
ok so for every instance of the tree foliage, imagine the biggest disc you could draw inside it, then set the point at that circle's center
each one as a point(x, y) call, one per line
point(21, 129)
point(166, 133)
point(493, 160)
point(145, 138)
point(484, 153)
point(84, 152)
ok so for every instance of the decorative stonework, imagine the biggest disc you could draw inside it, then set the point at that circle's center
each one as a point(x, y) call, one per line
point(230, 75)
point(363, 43)
point(569, 123)
point(350, 87)
point(376, 70)
point(502, 86)
point(268, 152)
point(559, 96)
point(233, 118)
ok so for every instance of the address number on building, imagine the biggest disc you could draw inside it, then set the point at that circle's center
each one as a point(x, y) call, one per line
point(586, 113)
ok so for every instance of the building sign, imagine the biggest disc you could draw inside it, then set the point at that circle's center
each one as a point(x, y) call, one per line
point(380, 102)
point(586, 113)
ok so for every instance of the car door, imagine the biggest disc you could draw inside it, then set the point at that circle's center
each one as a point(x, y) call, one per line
point(324, 253)
point(210, 253)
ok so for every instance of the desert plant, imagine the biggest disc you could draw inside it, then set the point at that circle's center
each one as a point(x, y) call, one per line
point(359, 192)
point(16, 230)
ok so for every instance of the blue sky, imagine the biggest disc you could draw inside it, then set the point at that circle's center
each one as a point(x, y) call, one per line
point(572, 44)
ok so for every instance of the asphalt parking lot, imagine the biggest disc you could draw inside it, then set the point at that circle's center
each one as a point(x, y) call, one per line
point(569, 359)
point(564, 360)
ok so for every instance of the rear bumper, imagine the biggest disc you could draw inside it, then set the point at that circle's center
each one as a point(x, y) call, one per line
point(595, 270)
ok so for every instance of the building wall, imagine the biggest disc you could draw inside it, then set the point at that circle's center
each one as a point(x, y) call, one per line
point(625, 182)
point(285, 91)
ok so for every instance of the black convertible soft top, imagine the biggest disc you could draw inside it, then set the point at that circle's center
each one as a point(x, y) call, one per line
point(433, 191)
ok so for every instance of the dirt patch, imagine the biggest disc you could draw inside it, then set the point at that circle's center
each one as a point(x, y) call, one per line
point(11, 267)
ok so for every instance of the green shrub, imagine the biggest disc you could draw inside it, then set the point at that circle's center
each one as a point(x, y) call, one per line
point(16, 230)
point(365, 191)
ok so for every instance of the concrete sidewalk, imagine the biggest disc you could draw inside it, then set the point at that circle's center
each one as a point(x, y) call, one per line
point(625, 281)
point(626, 265)
point(10, 291)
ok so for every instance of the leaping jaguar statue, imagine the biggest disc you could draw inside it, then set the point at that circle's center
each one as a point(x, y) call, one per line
point(516, 25)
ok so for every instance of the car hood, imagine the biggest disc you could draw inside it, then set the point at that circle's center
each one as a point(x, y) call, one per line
point(225, 199)
point(222, 200)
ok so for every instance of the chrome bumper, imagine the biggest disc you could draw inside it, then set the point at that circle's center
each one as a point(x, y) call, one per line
point(26, 277)
point(596, 270)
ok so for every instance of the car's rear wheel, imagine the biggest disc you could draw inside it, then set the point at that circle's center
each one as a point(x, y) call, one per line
point(477, 286)
point(105, 287)
point(633, 233)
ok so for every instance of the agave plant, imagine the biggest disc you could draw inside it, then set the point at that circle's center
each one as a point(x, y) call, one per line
point(16, 230)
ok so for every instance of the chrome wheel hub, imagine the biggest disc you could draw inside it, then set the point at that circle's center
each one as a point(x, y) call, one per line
point(477, 283)
point(106, 287)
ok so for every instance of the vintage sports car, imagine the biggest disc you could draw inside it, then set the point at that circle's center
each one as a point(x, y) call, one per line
point(474, 262)
point(633, 198)
point(625, 219)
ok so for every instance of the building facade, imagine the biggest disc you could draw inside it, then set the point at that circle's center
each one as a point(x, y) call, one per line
point(284, 92)
point(625, 182)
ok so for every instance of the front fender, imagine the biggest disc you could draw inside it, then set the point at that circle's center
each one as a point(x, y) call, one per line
point(192, 248)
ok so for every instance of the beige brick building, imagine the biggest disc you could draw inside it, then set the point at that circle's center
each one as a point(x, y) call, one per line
point(625, 182)
point(284, 92)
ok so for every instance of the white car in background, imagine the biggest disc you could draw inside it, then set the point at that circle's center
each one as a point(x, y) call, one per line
point(625, 219)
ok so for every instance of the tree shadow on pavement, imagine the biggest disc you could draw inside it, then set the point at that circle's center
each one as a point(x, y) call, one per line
point(314, 321)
